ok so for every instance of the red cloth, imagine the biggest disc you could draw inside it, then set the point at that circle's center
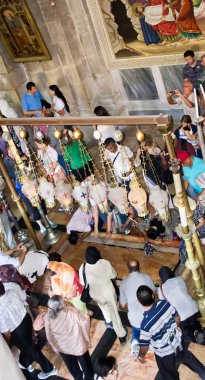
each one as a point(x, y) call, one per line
point(183, 155)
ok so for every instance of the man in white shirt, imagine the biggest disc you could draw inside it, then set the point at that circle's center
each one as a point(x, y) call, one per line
point(5, 257)
point(122, 159)
point(16, 325)
point(128, 289)
point(185, 99)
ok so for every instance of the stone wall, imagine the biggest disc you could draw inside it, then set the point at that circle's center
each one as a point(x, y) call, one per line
point(79, 69)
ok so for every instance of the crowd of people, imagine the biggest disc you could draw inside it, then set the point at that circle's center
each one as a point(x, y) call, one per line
point(163, 318)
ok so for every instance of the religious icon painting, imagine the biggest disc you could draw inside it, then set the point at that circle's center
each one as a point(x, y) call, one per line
point(150, 29)
point(20, 34)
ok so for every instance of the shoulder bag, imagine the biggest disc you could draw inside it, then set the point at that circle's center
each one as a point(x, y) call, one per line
point(85, 296)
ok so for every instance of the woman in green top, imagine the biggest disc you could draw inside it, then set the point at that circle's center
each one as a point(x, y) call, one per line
point(79, 160)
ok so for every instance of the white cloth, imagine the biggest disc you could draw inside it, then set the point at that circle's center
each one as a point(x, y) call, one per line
point(106, 131)
point(48, 157)
point(58, 106)
point(34, 262)
point(80, 221)
point(9, 237)
point(9, 368)
point(128, 289)
point(154, 14)
point(121, 163)
point(186, 109)
point(177, 295)
point(12, 311)
point(7, 259)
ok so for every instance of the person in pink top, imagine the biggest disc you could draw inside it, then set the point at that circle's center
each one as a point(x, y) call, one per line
point(67, 331)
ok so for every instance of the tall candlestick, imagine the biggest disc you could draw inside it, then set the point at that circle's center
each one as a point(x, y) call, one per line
point(202, 91)
point(196, 103)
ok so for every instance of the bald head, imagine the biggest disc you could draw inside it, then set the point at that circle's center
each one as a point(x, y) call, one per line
point(133, 266)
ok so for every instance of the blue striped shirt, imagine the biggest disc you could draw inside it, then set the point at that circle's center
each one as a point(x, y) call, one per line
point(157, 327)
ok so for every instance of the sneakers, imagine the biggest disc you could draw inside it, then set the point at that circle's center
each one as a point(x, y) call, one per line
point(45, 375)
point(53, 225)
point(29, 368)
point(135, 348)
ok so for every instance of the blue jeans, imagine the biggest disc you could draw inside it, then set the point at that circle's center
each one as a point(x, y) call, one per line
point(191, 192)
point(135, 333)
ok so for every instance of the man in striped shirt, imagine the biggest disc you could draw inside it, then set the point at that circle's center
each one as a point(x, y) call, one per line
point(160, 331)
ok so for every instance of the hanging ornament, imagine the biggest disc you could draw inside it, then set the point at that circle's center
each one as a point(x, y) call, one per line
point(98, 192)
point(23, 134)
point(30, 190)
point(46, 192)
point(77, 134)
point(57, 133)
point(138, 198)
point(63, 193)
point(80, 194)
point(159, 199)
point(118, 135)
point(118, 196)
point(97, 135)
point(140, 136)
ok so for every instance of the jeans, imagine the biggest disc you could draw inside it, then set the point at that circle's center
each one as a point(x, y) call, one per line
point(22, 338)
point(135, 333)
point(77, 371)
point(168, 364)
point(191, 192)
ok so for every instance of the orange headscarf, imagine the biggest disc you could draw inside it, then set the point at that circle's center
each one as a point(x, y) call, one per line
point(66, 281)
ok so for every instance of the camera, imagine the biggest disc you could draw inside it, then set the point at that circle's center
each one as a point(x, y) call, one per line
point(186, 128)
point(172, 92)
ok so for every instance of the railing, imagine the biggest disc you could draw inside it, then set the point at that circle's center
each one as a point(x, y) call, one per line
point(86, 121)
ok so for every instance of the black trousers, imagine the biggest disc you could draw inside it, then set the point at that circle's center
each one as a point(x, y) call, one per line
point(189, 325)
point(22, 338)
point(168, 365)
point(83, 172)
point(72, 363)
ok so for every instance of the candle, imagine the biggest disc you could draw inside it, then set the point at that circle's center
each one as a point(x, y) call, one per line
point(183, 217)
point(196, 103)
point(202, 91)
point(177, 183)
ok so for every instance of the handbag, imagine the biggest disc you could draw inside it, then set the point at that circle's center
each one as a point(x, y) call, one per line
point(85, 296)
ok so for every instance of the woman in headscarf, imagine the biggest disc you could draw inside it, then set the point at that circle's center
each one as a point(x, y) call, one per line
point(65, 283)
point(99, 274)
point(174, 290)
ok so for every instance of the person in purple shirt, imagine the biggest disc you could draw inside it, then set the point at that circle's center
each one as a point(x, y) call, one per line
point(31, 101)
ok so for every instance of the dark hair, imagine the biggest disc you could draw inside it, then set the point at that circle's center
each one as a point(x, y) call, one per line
point(102, 366)
point(45, 140)
point(55, 256)
point(92, 255)
point(156, 229)
point(145, 295)
point(186, 119)
point(133, 268)
point(29, 85)
point(188, 53)
point(2, 289)
point(165, 273)
point(73, 237)
point(109, 141)
point(101, 111)
point(1, 130)
point(60, 95)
